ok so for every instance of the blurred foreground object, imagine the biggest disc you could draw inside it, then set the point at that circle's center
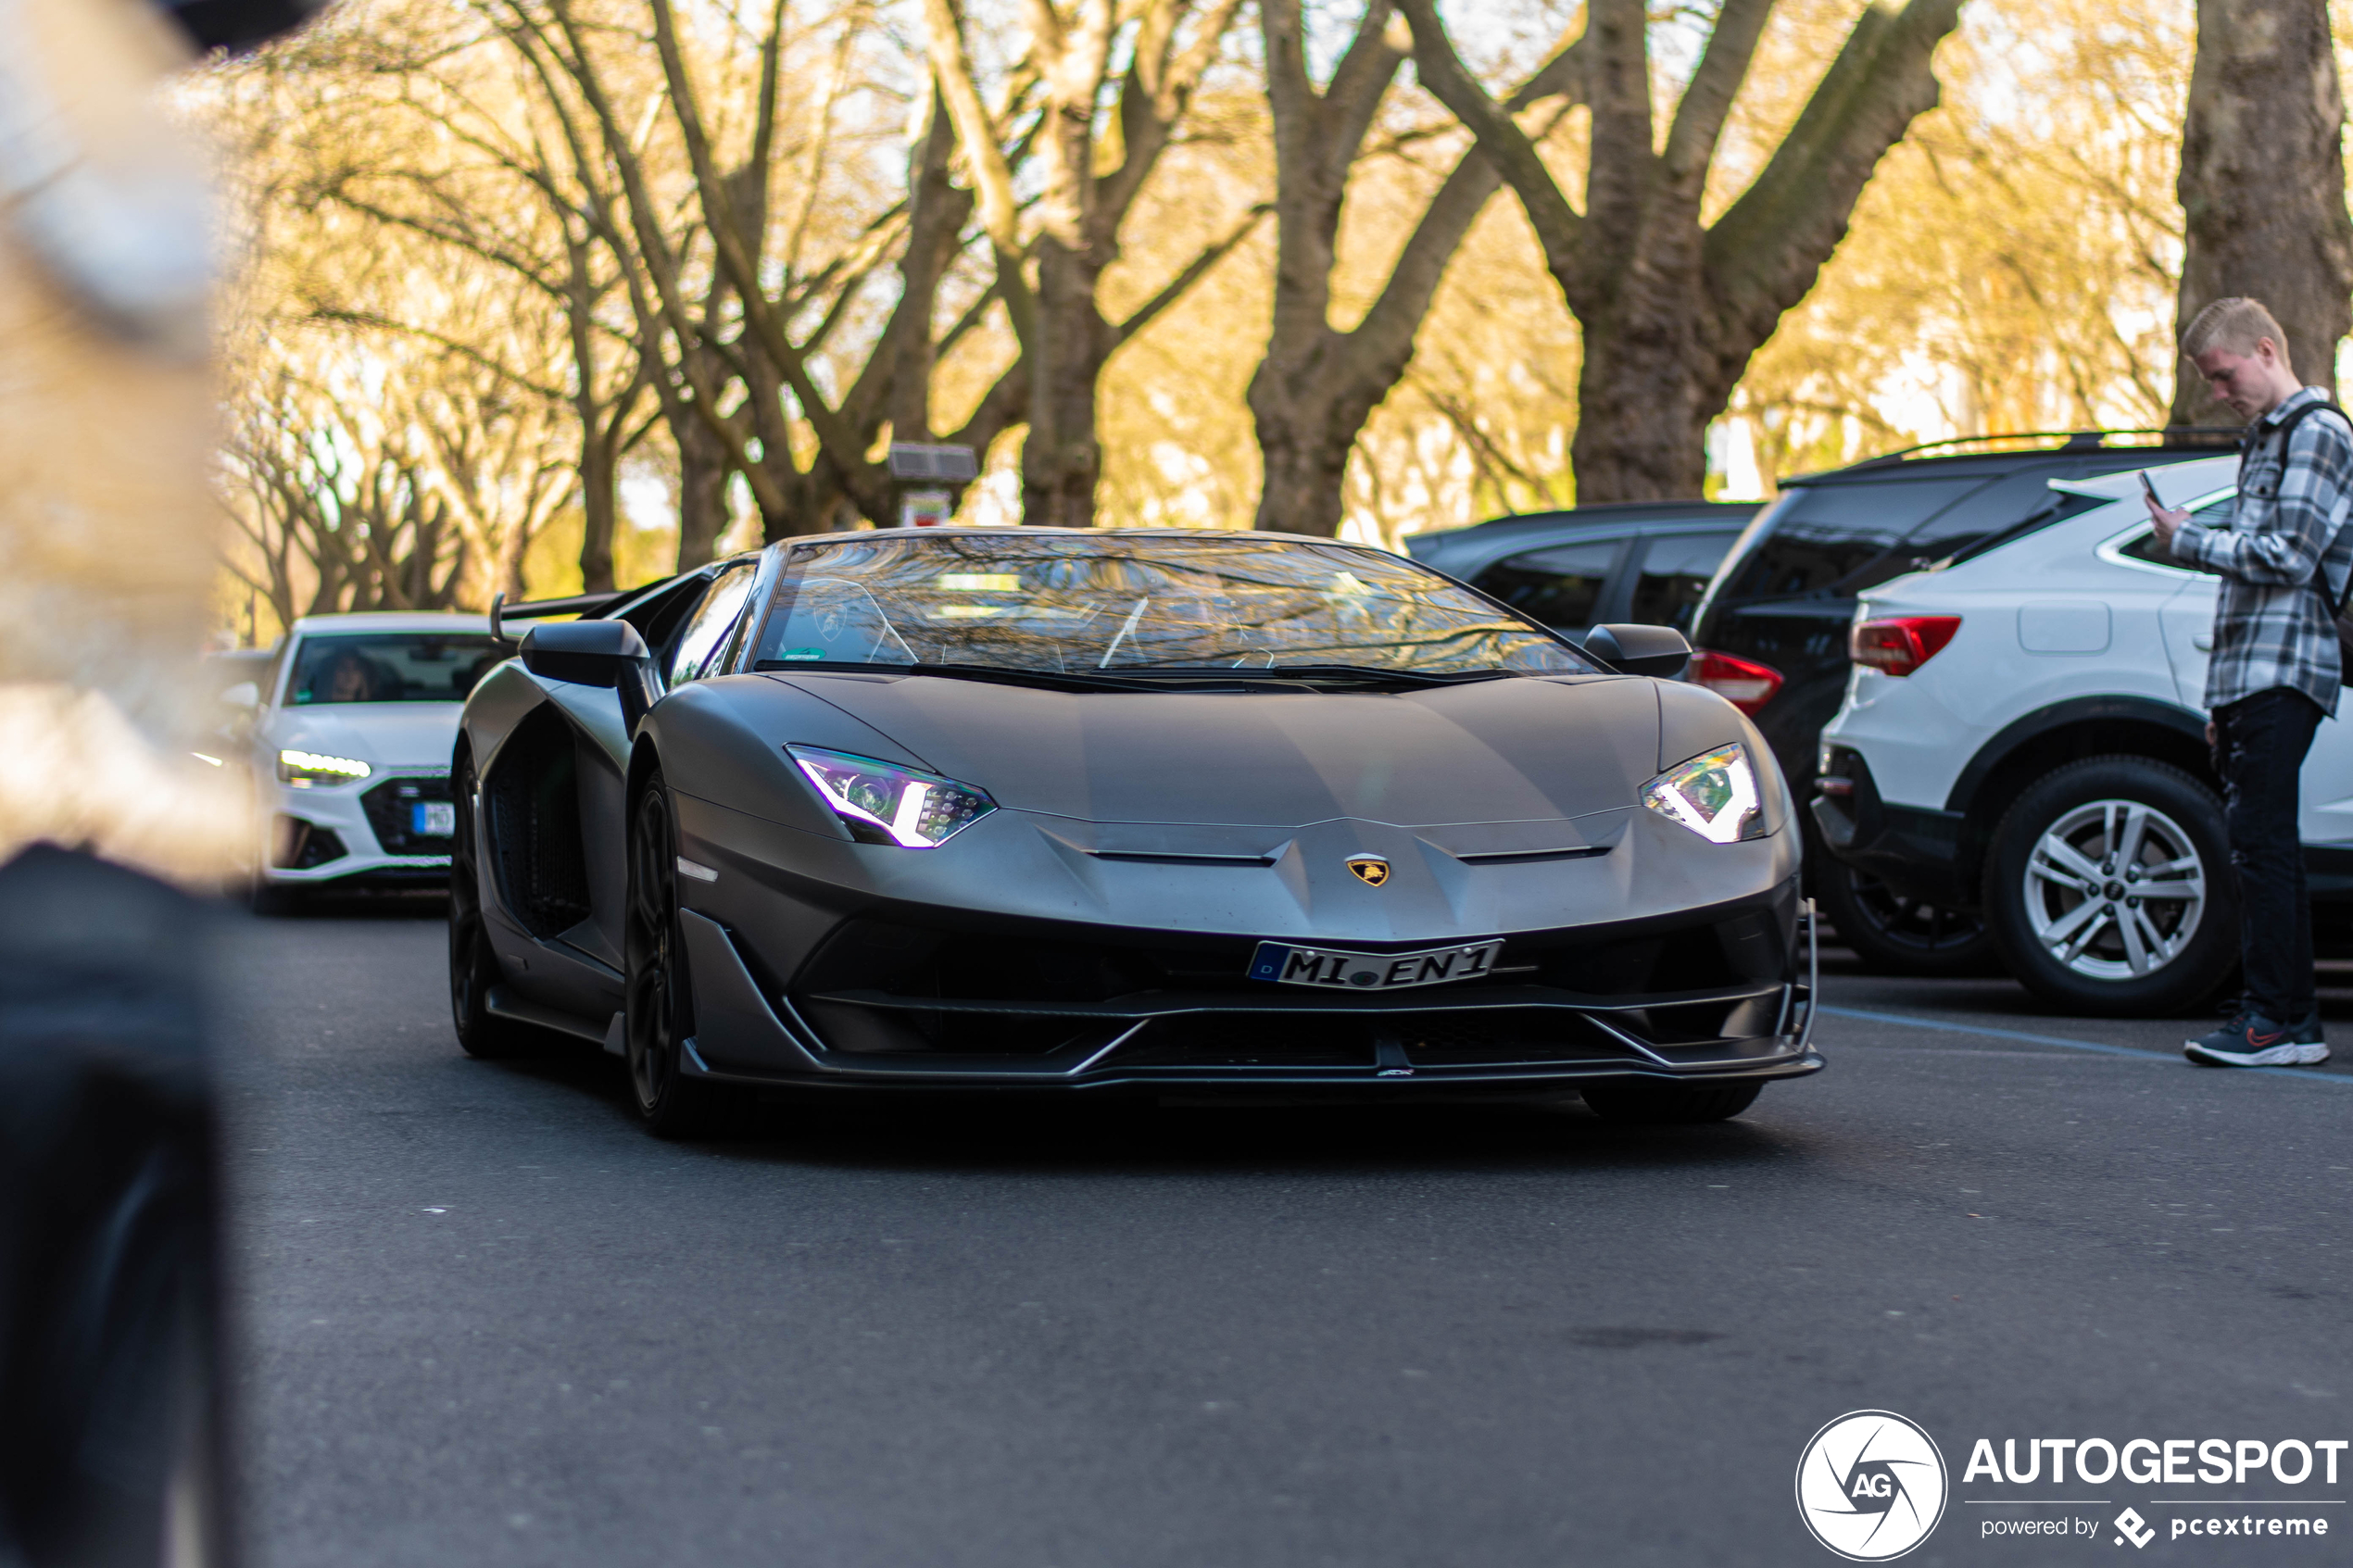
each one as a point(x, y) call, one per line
point(107, 527)
point(110, 1362)
point(239, 24)
point(110, 1379)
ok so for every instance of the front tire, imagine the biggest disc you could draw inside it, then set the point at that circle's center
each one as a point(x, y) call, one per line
point(1641, 1103)
point(659, 1012)
point(2109, 890)
point(1897, 934)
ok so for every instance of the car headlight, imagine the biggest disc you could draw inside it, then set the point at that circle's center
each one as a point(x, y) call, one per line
point(1714, 795)
point(883, 803)
point(307, 770)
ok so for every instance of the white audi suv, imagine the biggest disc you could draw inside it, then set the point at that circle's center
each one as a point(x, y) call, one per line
point(2023, 735)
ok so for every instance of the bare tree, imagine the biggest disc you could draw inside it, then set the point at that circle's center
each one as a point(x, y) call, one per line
point(746, 333)
point(444, 144)
point(1312, 394)
point(1097, 132)
point(1673, 309)
point(420, 495)
point(2262, 184)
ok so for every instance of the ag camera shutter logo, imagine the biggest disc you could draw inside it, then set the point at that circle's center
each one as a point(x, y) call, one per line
point(1872, 1486)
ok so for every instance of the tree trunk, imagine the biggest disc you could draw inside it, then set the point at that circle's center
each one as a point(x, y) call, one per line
point(702, 493)
point(2263, 185)
point(1672, 310)
point(509, 563)
point(1316, 385)
point(1061, 459)
point(599, 505)
point(1303, 455)
point(1079, 206)
point(1643, 401)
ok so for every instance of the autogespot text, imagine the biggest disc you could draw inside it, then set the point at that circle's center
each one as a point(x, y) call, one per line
point(2151, 1461)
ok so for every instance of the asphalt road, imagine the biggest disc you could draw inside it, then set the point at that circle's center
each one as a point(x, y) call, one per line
point(491, 1322)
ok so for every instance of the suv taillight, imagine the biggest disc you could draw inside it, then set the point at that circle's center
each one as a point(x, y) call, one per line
point(1744, 682)
point(1900, 644)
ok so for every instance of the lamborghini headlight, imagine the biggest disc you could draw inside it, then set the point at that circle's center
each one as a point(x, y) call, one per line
point(309, 770)
point(1714, 795)
point(884, 803)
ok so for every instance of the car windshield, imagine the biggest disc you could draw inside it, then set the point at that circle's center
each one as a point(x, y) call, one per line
point(390, 667)
point(1062, 605)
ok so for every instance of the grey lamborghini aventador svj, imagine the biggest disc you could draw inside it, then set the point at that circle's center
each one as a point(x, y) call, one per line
point(1013, 807)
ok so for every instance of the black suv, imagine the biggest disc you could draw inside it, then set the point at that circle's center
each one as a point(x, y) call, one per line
point(1771, 629)
point(1643, 561)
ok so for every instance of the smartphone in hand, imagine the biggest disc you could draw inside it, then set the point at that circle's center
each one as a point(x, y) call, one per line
point(2149, 490)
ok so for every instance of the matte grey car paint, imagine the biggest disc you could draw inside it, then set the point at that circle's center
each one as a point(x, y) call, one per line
point(1503, 806)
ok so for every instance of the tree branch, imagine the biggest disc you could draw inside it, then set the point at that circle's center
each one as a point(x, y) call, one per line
point(1707, 98)
point(1173, 290)
point(1763, 255)
point(1559, 227)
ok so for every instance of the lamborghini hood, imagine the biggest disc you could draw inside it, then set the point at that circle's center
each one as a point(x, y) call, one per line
point(1515, 749)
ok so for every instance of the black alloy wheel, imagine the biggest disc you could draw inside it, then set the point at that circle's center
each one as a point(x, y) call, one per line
point(1648, 1103)
point(1895, 934)
point(659, 1017)
point(474, 967)
point(2108, 889)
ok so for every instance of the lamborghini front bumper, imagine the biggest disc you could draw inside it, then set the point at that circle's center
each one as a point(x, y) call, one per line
point(1720, 994)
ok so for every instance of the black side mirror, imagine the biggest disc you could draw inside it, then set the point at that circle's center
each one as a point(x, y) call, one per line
point(597, 653)
point(588, 653)
point(1639, 650)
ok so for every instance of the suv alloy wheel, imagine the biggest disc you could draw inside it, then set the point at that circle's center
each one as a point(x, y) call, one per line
point(2109, 888)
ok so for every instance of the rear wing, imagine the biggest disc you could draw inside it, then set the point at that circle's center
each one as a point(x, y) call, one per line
point(542, 610)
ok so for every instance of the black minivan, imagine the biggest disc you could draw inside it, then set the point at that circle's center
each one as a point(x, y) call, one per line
point(1771, 629)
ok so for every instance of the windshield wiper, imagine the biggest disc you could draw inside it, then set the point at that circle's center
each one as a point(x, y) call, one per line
point(1052, 680)
point(1149, 678)
point(1368, 674)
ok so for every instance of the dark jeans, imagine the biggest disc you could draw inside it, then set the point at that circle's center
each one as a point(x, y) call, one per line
point(2259, 743)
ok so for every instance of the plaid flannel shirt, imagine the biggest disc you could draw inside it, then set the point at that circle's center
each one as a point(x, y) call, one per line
point(2284, 559)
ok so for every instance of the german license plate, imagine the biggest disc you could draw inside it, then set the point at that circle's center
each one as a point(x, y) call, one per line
point(1338, 969)
point(433, 818)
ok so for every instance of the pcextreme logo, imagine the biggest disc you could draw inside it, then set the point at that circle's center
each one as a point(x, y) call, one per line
point(1872, 1486)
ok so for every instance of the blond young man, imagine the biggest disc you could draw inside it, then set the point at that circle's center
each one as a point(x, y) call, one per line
point(2284, 559)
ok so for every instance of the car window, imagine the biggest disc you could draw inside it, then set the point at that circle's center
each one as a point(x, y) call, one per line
point(1828, 533)
point(705, 637)
point(390, 667)
point(1079, 603)
point(1989, 508)
point(1561, 586)
point(2214, 514)
point(1674, 574)
point(661, 613)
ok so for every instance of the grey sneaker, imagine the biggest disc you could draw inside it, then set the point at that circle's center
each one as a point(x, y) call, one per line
point(2251, 1040)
